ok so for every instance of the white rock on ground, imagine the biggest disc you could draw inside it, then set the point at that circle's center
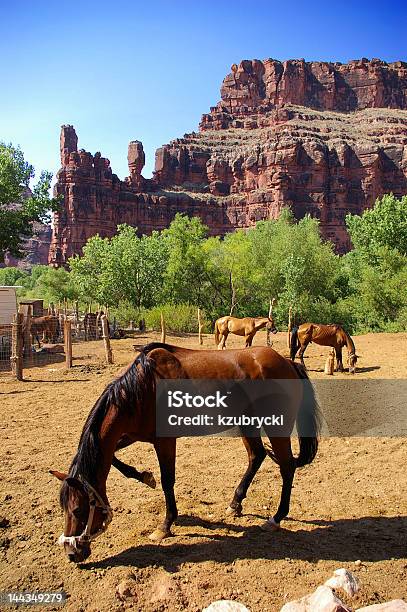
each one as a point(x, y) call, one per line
point(397, 605)
point(322, 600)
point(226, 605)
point(344, 579)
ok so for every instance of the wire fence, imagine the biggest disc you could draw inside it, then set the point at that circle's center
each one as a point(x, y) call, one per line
point(5, 347)
point(33, 341)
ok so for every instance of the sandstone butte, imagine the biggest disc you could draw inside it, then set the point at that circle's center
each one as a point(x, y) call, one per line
point(323, 138)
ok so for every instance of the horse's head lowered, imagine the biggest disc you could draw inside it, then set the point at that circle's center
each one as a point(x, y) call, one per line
point(270, 325)
point(352, 359)
point(87, 515)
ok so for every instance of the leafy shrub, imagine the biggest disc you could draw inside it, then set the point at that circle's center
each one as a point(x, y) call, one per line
point(179, 318)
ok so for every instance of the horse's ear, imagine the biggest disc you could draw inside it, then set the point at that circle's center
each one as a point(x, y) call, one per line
point(75, 483)
point(59, 475)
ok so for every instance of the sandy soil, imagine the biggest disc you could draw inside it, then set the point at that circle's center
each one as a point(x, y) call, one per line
point(349, 505)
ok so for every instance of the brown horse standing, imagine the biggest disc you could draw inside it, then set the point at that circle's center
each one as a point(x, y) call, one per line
point(47, 326)
point(247, 327)
point(325, 335)
point(125, 413)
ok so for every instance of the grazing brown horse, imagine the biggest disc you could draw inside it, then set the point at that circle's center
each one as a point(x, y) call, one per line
point(47, 326)
point(325, 335)
point(125, 413)
point(247, 327)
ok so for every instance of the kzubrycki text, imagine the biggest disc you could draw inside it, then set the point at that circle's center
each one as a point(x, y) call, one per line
point(242, 420)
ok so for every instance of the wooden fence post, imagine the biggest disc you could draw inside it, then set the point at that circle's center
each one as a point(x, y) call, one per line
point(290, 310)
point(17, 346)
point(68, 343)
point(268, 341)
point(27, 335)
point(163, 328)
point(106, 338)
point(200, 340)
point(97, 325)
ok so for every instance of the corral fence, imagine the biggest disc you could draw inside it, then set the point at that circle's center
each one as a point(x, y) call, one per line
point(47, 338)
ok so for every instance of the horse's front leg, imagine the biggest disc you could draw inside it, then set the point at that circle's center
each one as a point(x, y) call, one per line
point(165, 449)
point(146, 477)
point(249, 339)
point(339, 364)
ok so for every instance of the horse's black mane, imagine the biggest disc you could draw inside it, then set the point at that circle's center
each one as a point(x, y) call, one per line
point(124, 392)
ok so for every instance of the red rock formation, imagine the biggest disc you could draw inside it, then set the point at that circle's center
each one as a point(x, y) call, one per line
point(35, 249)
point(326, 139)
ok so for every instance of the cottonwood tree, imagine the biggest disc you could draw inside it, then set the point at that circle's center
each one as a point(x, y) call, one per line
point(20, 206)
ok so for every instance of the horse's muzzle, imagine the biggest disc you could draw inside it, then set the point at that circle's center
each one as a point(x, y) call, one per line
point(78, 554)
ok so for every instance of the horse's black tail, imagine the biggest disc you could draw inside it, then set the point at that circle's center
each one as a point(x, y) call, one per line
point(309, 420)
point(294, 343)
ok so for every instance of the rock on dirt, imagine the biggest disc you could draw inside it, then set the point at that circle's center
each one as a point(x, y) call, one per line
point(397, 605)
point(226, 605)
point(322, 600)
point(344, 579)
point(164, 588)
point(126, 589)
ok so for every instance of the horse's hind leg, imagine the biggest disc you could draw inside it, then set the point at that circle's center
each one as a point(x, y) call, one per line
point(166, 449)
point(222, 344)
point(282, 454)
point(301, 354)
point(256, 455)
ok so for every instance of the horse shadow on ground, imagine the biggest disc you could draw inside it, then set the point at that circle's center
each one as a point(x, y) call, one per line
point(345, 540)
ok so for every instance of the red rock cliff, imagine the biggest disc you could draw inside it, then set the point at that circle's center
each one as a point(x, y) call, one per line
point(325, 139)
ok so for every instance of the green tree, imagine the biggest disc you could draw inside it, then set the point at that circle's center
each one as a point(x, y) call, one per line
point(12, 276)
point(383, 225)
point(20, 207)
point(185, 272)
point(87, 270)
point(122, 269)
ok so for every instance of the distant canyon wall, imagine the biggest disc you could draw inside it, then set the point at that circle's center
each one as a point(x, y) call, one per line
point(323, 138)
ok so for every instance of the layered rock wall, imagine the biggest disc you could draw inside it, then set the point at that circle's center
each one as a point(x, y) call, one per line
point(325, 139)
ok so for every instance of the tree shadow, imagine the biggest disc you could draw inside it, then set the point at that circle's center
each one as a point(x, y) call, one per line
point(345, 540)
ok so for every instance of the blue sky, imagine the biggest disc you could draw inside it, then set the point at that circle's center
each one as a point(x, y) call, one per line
point(127, 70)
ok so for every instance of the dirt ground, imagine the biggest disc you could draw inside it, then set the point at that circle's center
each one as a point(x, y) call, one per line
point(349, 505)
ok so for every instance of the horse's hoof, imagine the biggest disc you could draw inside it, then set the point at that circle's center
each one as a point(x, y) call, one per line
point(148, 479)
point(159, 534)
point(270, 525)
point(236, 512)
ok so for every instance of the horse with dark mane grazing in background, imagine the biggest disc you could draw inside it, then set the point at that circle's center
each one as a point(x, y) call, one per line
point(247, 327)
point(126, 413)
point(325, 335)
